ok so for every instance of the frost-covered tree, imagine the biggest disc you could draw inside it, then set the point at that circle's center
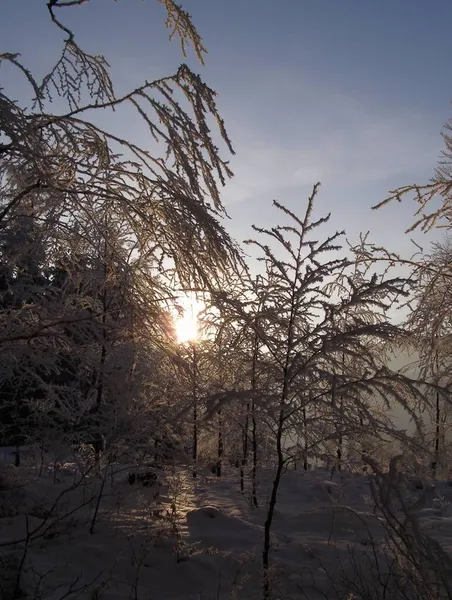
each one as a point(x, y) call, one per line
point(78, 168)
point(431, 329)
point(96, 231)
point(428, 317)
point(313, 326)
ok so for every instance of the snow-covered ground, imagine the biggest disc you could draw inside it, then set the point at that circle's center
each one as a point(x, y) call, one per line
point(188, 539)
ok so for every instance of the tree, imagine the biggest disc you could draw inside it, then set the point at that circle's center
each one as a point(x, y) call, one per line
point(118, 226)
point(308, 335)
point(428, 318)
point(431, 328)
point(74, 167)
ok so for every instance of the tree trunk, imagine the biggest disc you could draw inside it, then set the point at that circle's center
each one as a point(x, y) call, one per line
point(305, 454)
point(267, 529)
point(272, 504)
point(195, 412)
point(339, 452)
point(279, 453)
point(244, 460)
point(340, 442)
point(220, 444)
point(340, 447)
point(437, 436)
point(333, 404)
point(254, 500)
point(97, 443)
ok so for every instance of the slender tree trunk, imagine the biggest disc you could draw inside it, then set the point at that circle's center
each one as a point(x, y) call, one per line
point(254, 444)
point(195, 411)
point(333, 403)
point(100, 382)
point(364, 450)
point(437, 435)
point(220, 444)
point(273, 496)
point(279, 452)
point(98, 442)
point(268, 526)
point(339, 452)
point(254, 500)
point(340, 441)
point(244, 460)
point(437, 425)
point(305, 454)
point(340, 447)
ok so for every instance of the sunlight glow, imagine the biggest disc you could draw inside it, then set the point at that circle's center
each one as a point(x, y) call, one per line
point(187, 324)
point(186, 329)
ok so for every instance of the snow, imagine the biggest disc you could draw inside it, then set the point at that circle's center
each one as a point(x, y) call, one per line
point(191, 539)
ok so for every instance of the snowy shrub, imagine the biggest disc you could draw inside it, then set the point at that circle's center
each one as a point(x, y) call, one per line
point(409, 563)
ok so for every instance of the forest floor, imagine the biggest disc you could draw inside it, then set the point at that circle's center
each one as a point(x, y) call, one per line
point(191, 539)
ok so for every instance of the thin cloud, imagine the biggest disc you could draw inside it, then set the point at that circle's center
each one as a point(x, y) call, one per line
point(327, 137)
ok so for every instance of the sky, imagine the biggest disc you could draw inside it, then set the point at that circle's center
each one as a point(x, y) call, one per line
point(352, 93)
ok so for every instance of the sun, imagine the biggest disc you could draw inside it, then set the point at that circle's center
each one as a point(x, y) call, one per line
point(186, 329)
point(187, 324)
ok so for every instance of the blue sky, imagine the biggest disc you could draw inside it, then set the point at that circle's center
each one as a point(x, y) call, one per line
point(350, 92)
